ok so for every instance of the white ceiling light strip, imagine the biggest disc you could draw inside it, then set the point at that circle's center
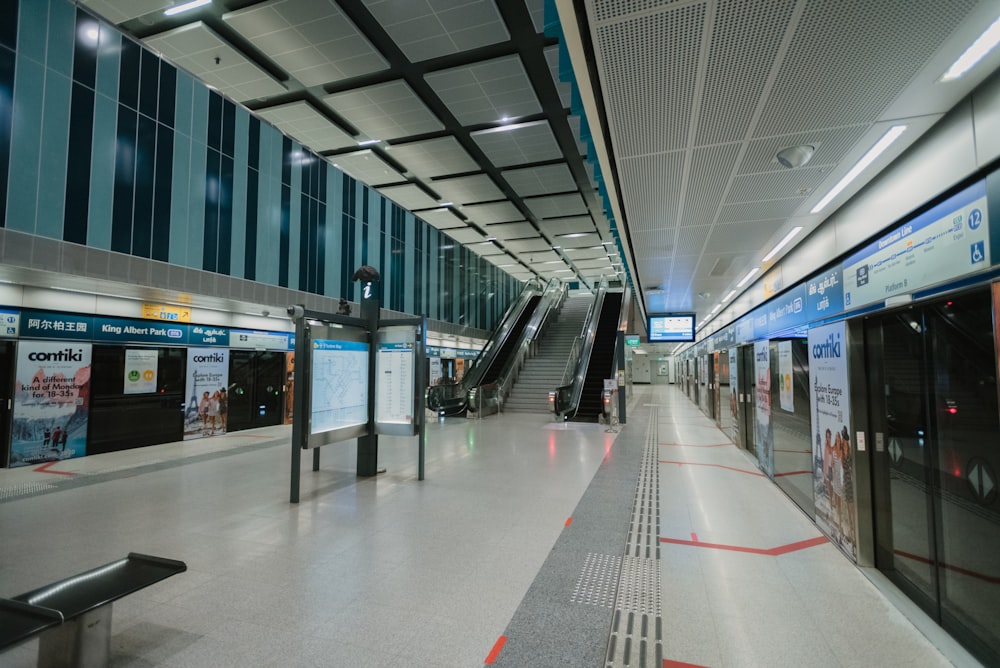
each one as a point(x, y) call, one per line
point(781, 244)
point(186, 7)
point(750, 274)
point(868, 158)
point(976, 52)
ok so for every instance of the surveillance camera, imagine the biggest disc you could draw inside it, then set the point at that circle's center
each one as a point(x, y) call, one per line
point(296, 311)
point(265, 313)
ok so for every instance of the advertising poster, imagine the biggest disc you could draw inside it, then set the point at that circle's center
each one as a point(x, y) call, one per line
point(289, 387)
point(787, 398)
point(140, 371)
point(51, 402)
point(207, 408)
point(833, 459)
point(734, 393)
point(762, 434)
point(435, 374)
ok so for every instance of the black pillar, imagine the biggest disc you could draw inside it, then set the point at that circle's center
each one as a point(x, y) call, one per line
point(368, 445)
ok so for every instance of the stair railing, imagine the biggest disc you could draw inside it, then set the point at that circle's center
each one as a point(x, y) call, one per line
point(566, 397)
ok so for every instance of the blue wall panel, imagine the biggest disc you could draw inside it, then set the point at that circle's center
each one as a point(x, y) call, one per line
point(61, 37)
point(53, 159)
point(26, 140)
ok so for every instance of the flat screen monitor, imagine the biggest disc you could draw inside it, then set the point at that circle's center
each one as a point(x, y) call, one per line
point(671, 328)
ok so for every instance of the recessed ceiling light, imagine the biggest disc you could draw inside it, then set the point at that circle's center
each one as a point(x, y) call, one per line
point(444, 204)
point(781, 244)
point(976, 52)
point(729, 296)
point(750, 274)
point(868, 158)
point(369, 142)
point(187, 6)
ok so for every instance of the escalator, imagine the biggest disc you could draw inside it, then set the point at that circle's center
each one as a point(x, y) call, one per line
point(602, 359)
point(453, 399)
point(579, 398)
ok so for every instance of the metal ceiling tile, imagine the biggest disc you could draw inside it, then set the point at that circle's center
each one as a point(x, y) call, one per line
point(691, 240)
point(385, 111)
point(710, 175)
point(434, 157)
point(505, 231)
point(537, 10)
point(496, 212)
point(651, 186)
point(886, 41)
point(465, 235)
point(313, 40)
point(588, 240)
point(442, 218)
point(593, 264)
point(540, 180)
point(467, 189)
point(742, 49)
point(409, 197)
point(564, 88)
point(649, 70)
point(425, 30)
point(610, 10)
point(535, 258)
point(368, 168)
point(738, 213)
point(567, 225)
point(119, 11)
point(552, 206)
point(306, 125)
point(518, 144)
point(742, 236)
point(536, 245)
point(196, 48)
point(502, 260)
point(487, 91)
point(487, 249)
point(589, 253)
point(777, 185)
point(654, 242)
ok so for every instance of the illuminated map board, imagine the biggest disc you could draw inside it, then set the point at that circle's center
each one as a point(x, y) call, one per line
point(394, 377)
point(339, 384)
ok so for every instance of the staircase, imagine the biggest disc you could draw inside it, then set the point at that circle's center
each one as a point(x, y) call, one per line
point(544, 372)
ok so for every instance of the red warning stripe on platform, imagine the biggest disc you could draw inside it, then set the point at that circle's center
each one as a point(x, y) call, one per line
point(770, 552)
point(690, 445)
point(718, 466)
point(992, 579)
point(495, 652)
point(569, 521)
point(667, 663)
point(778, 475)
point(44, 468)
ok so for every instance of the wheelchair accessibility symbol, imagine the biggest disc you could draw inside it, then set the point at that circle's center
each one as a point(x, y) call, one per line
point(975, 219)
point(978, 252)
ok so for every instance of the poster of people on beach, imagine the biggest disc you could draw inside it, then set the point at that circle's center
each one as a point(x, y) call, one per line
point(207, 409)
point(51, 402)
point(833, 458)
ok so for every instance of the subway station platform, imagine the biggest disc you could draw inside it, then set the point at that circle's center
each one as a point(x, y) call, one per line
point(530, 543)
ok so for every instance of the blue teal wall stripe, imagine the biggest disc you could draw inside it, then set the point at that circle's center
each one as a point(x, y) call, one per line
point(237, 259)
point(26, 137)
point(119, 150)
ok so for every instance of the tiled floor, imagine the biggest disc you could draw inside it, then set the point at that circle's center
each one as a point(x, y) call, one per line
point(391, 571)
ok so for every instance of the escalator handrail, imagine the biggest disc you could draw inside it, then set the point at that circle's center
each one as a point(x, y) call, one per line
point(552, 299)
point(575, 389)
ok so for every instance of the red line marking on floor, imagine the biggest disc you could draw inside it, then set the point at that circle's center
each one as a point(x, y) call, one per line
point(691, 445)
point(667, 663)
point(770, 552)
point(694, 537)
point(44, 468)
point(798, 452)
point(569, 521)
point(495, 652)
point(778, 475)
point(718, 466)
point(957, 569)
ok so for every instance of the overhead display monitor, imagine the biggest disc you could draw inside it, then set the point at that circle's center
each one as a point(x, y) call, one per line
point(671, 328)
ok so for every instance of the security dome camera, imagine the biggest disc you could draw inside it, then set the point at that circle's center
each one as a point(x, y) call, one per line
point(295, 311)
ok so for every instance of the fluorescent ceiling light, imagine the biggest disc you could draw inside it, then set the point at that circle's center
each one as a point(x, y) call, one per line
point(444, 204)
point(784, 242)
point(574, 235)
point(729, 296)
point(982, 46)
point(187, 6)
point(369, 142)
point(607, 243)
point(868, 158)
point(750, 274)
point(717, 307)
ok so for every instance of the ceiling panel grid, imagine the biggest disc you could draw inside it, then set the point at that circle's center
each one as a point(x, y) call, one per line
point(649, 71)
point(651, 186)
point(367, 167)
point(830, 144)
point(385, 111)
point(545, 180)
point(424, 29)
point(818, 84)
point(709, 176)
point(486, 92)
point(553, 206)
point(767, 210)
point(495, 212)
point(313, 40)
point(567, 225)
point(518, 144)
point(777, 184)
point(434, 157)
point(307, 126)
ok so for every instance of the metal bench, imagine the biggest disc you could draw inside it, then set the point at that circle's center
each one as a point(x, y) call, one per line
point(73, 615)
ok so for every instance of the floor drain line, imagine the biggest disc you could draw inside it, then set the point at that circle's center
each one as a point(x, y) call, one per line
point(636, 637)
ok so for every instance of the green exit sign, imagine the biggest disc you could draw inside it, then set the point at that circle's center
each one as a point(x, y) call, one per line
point(631, 339)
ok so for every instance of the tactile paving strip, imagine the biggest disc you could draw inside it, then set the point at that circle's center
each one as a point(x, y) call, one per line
point(598, 580)
point(637, 626)
point(24, 489)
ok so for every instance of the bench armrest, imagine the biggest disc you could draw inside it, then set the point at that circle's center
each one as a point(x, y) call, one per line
point(19, 621)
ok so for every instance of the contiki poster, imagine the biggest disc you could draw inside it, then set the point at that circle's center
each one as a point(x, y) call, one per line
point(833, 457)
point(207, 408)
point(51, 402)
point(762, 434)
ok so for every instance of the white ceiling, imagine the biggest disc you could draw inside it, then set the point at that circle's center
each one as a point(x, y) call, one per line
point(692, 99)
